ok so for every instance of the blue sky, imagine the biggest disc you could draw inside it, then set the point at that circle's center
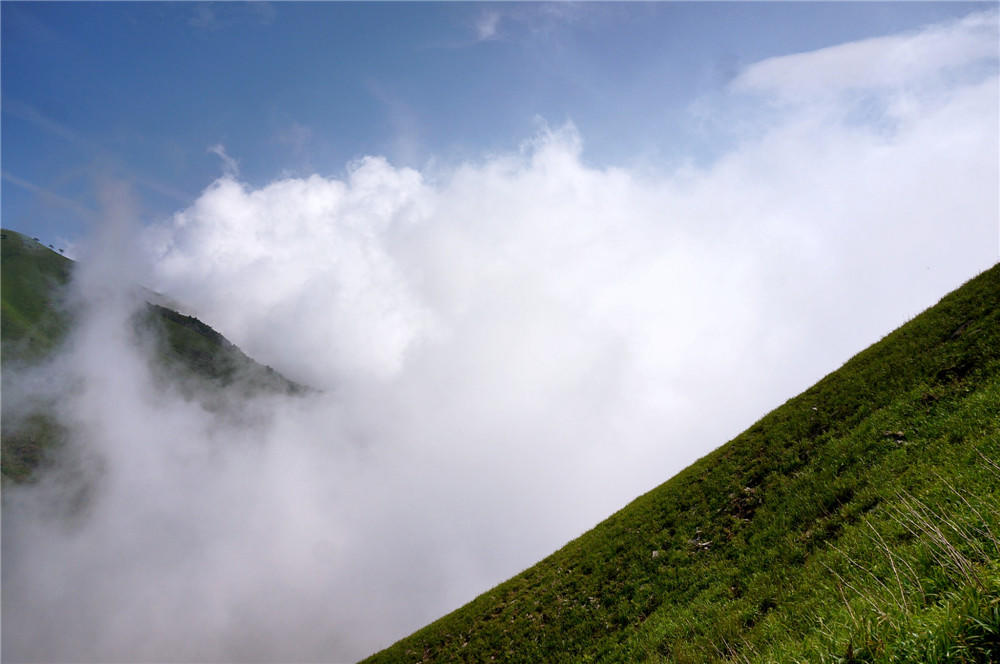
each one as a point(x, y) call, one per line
point(142, 91)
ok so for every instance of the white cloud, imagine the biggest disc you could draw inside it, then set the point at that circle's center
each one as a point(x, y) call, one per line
point(510, 350)
point(304, 246)
point(892, 62)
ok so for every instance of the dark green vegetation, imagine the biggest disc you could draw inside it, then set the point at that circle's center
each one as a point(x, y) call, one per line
point(36, 320)
point(858, 522)
point(188, 347)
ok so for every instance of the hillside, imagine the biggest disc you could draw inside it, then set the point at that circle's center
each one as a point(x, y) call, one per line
point(858, 522)
point(32, 277)
point(35, 320)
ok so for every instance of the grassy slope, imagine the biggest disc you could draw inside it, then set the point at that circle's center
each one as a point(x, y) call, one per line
point(34, 323)
point(857, 522)
point(30, 325)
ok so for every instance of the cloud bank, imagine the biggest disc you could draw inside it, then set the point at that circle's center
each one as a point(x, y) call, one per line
point(509, 350)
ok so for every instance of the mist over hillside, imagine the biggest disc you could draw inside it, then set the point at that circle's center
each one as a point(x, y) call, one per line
point(505, 349)
point(854, 523)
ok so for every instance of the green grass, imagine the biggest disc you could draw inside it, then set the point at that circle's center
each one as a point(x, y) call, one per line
point(858, 522)
point(33, 275)
point(35, 321)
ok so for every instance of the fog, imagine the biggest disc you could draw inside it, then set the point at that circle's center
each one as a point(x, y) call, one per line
point(505, 352)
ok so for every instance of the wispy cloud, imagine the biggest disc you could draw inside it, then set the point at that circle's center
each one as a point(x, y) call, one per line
point(212, 16)
point(52, 197)
point(487, 24)
point(404, 121)
point(265, 11)
point(882, 62)
point(297, 139)
point(516, 21)
point(296, 136)
point(30, 114)
point(203, 17)
point(230, 167)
